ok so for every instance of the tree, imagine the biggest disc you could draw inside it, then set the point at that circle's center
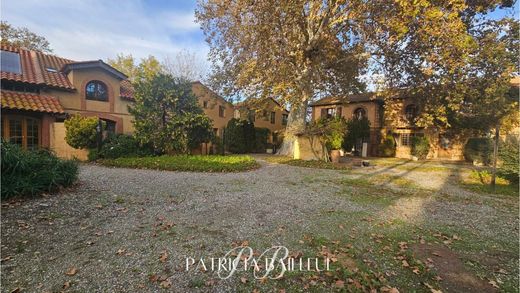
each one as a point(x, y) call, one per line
point(145, 69)
point(358, 130)
point(186, 65)
point(23, 38)
point(294, 50)
point(290, 51)
point(491, 103)
point(167, 116)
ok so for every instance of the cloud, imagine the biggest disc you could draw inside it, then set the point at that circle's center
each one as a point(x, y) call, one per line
point(96, 29)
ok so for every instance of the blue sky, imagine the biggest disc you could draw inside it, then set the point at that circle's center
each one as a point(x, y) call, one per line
point(97, 29)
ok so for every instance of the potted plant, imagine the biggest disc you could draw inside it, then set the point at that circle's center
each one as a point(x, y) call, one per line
point(333, 134)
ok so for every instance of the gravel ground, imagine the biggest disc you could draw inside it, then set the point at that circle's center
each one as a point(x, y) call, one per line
point(118, 227)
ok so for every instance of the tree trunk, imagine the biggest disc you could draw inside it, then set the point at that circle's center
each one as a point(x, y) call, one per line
point(295, 125)
point(495, 156)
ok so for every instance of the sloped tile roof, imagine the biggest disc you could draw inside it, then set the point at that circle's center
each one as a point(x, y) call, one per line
point(127, 90)
point(334, 100)
point(45, 69)
point(39, 68)
point(30, 102)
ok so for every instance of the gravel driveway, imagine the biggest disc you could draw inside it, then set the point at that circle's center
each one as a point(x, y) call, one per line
point(130, 230)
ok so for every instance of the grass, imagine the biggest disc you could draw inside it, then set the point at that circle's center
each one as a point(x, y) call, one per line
point(231, 163)
point(479, 181)
point(306, 164)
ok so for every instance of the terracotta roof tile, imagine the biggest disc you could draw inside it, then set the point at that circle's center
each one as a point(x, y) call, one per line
point(34, 66)
point(127, 90)
point(30, 102)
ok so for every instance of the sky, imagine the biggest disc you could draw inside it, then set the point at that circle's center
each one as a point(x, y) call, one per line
point(96, 29)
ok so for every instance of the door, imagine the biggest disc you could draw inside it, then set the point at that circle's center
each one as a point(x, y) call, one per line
point(23, 131)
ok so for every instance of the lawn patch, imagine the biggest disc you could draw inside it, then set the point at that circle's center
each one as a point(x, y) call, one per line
point(306, 164)
point(479, 181)
point(187, 163)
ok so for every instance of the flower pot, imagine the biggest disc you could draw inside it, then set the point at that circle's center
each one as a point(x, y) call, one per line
point(334, 156)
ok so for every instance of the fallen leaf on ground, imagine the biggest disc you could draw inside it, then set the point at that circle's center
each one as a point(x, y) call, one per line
point(405, 264)
point(164, 256)
point(66, 285)
point(71, 271)
point(340, 284)
point(166, 284)
point(243, 280)
point(494, 284)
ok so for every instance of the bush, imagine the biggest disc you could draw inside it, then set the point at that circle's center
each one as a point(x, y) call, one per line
point(420, 147)
point(332, 131)
point(121, 145)
point(509, 157)
point(479, 149)
point(81, 132)
point(240, 136)
point(261, 136)
point(33, 172)
point(387, 147)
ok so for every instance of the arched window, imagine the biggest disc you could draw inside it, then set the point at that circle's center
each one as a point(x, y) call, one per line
point(96, 90)
point(360, 113)
point(410, 113)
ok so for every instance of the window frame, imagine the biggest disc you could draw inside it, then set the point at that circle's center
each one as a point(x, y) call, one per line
point(6, 131)
point(355, 116)
point(410, 117)
point(272, 117)
point(285, 119)
point(221, 111)
point(97, 98)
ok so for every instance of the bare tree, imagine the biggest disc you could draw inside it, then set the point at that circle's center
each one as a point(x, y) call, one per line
point(186, 65)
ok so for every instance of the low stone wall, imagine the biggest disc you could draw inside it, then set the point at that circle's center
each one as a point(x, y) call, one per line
point(309, 148)
point(60, 146)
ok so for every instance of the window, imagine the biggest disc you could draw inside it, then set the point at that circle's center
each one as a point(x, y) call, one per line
point(23, 131)
point(221, 111)
point(10, 62)
point(339, 111)
point(405, 139)
point(359, 114)
point(205, 104)
point(285, 117)
point(110, 126)
point(96, 90)
point(19, 87)
point(328, 113)
point(410, 113)
point(273, 117)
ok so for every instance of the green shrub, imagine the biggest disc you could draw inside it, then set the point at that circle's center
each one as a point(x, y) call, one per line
point(81, 131)
point(261, 136)
point(387, 147)
point(240, 136)
point(121, 145)
point(420, 147)
point(26, 173)
point(479, 149)
point(509, 157)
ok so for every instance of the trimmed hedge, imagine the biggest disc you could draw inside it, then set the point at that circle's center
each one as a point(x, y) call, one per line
point(479, 149)
point(28, 173)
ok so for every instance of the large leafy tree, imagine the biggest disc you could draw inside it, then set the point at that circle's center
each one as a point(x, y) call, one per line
point(166, 115)
point(297, 50)
point(23, 37)
point(144, 69)
point(290, 50)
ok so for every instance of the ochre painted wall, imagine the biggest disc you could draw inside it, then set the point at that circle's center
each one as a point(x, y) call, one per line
point(115, 109)
point(213, 102)
point(60, 146)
